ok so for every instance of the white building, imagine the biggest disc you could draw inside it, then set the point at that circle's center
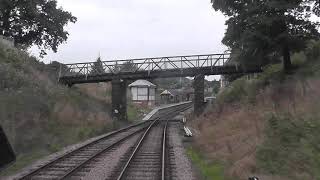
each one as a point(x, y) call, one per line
point(143, 92)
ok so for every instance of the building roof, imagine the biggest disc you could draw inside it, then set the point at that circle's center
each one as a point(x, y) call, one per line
point(166, 92)
point(176, 92)
point(141, 83)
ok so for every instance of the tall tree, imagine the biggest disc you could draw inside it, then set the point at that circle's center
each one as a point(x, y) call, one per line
point(260, 29)
point(129, 66)
point(97, 67)
point(34, 22)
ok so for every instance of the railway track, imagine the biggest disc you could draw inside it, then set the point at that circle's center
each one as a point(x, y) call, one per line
point(65, 166)
point(148, 159)
point(144, 155)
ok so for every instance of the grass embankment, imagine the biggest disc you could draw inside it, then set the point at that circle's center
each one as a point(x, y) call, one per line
point(136, 112)
point(132, 112)
point(267, 125)
point(40, 116)
point(209, 170)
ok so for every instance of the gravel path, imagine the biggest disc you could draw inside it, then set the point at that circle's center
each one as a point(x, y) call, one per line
point(181, 167)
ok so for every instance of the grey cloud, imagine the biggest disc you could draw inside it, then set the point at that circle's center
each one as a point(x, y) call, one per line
point(139, 28)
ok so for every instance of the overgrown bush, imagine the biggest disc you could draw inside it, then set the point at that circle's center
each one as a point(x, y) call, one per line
point(245, 89)
point(282, 109)
point(313, 50)
point(291, 143)
point(209, 170)
point(39, 115)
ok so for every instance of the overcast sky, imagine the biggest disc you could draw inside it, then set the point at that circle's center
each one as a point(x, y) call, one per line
point(139, 28)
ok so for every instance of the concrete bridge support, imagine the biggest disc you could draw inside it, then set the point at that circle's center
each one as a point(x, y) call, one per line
point(119, 99)
point(198, 94)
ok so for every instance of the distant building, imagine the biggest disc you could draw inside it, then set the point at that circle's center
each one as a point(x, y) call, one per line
point(176, 95)
point(210, 100)
point(143, 92)
point(224, 82)
point(166, 97)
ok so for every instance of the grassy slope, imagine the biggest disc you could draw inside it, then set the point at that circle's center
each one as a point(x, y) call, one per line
point(269, 125)
point(40, 116)
point(210, 170)
point(136, 112)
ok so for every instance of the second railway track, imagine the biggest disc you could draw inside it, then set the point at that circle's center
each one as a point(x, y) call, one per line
point(148, 159)
point(65, 166)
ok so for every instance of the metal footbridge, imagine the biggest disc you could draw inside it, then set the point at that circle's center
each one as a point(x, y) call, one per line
point(150, 68)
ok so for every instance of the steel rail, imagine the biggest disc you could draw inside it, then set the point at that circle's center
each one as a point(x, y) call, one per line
point(69, 173)
point(35, 171)
point(135, 150)
point(163, 168)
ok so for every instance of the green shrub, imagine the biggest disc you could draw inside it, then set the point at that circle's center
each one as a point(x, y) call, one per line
point(23, 160)
point(209, 170)
point(313, 50)
point(28, 97)
point(299, 59)
point(235, 92)
point(136, 112)
point(291, 144)
point(245, 90)
point(132, 112)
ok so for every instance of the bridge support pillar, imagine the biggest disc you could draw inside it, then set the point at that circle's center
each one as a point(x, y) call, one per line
point(198, 94)
point(119, 99)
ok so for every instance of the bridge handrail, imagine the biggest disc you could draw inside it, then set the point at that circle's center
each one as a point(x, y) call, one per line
point(143, 64)
point(135, 59)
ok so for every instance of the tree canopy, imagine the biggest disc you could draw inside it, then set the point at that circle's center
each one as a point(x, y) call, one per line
point(97, 67)
point(259, 29)
point(129, 66)
point(36, 22)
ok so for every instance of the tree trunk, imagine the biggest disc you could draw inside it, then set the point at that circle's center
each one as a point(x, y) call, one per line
point(6, 23)
point(286, 58)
